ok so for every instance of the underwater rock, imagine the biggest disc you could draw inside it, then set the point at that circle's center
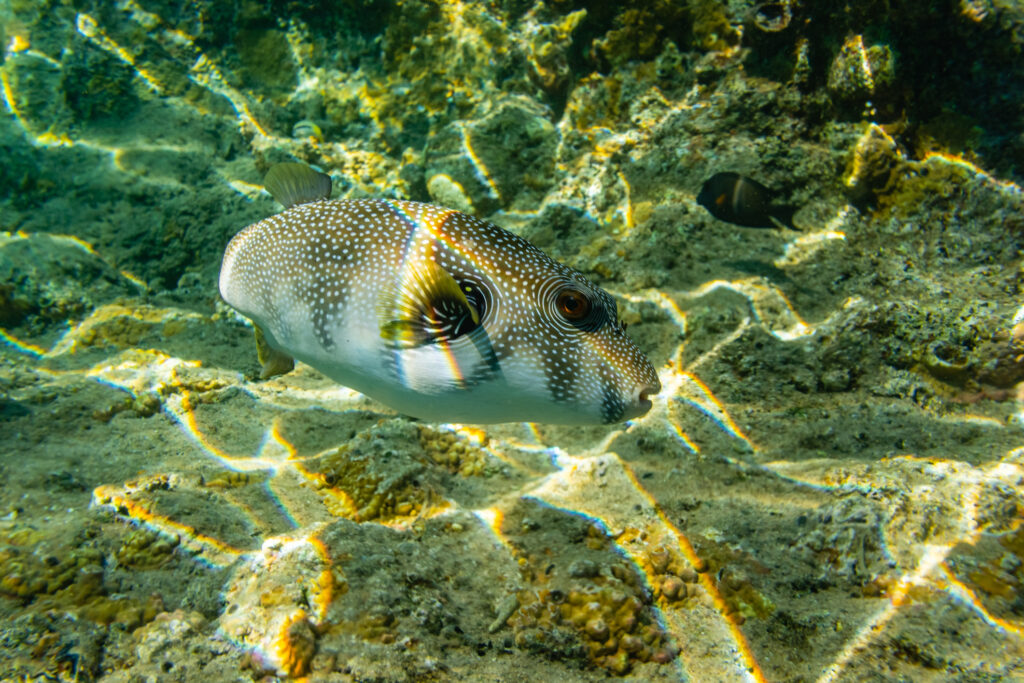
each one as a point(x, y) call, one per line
point(846, 543)
point(597, 610)
point(51, 646)
point(504, 159)
point(446, 192)
point(640, 30)
point(772, 16)
point(266, 59)
point(366, 593)
point(359, 481)
point(862, 79)
point(164, 633)
point(49, 278)
point(114, 326)
point(35, 85)
point(871, 165)
point(96, 84)
point(548, 50)
point(181, 646)
point(286, 587)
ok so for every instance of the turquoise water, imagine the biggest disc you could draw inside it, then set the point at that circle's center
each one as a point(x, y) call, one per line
point(827, 487)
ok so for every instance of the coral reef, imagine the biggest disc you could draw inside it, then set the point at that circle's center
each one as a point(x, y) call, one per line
point(504, 159)
point(863, 76)
point(75, 582)
point(371, 476)
point(146, 549)
point(456, 455)
point(596, 610)
point(43, 276)
point(830, 480)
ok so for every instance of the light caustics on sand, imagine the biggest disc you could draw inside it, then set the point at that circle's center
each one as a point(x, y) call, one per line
point(932, 572)
point(695, 630)
point(683, 385)
point(557, 477)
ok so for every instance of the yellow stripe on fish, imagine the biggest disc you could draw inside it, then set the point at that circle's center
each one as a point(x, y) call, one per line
point(435, 313)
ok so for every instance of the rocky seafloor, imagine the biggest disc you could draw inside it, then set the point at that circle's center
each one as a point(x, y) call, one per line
point(829, 487)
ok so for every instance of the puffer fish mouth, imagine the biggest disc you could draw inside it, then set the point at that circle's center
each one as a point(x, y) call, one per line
point(642, 404)
point(644, 401)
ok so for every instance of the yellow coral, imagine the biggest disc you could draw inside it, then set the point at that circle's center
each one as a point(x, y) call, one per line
point(350, 484)
point(125, 326)
point(295, 644)
point(229, 479)
point(456, 454)
point(872, 164)
point(146, 549)
point(608, 610)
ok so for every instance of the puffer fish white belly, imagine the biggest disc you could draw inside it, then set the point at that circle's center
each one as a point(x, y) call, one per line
point(417, 382)
point(436, 314)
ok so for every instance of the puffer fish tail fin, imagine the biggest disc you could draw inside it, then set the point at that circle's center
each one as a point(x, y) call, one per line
point(291, 183)
point(273, 362)
point(428, 307)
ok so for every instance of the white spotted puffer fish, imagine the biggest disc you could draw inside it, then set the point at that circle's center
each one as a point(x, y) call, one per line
point(435, 313)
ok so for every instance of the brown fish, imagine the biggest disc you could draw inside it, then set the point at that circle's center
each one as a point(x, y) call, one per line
point(739, 200)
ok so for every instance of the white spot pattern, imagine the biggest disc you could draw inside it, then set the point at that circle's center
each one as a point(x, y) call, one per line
point(313, 278)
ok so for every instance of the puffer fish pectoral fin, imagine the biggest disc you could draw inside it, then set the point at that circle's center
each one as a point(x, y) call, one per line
point(272, 361)
point(483, 345)
point(427, 307)
point(292, 183)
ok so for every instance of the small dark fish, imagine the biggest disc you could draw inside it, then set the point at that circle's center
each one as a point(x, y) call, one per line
point(737, 199)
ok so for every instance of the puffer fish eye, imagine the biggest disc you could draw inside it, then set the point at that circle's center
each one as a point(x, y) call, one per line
point(573, 304)
point(478, 296)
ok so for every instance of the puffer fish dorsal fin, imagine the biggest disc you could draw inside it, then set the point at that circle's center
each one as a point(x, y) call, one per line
point(427, 307)
point(291, 183)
